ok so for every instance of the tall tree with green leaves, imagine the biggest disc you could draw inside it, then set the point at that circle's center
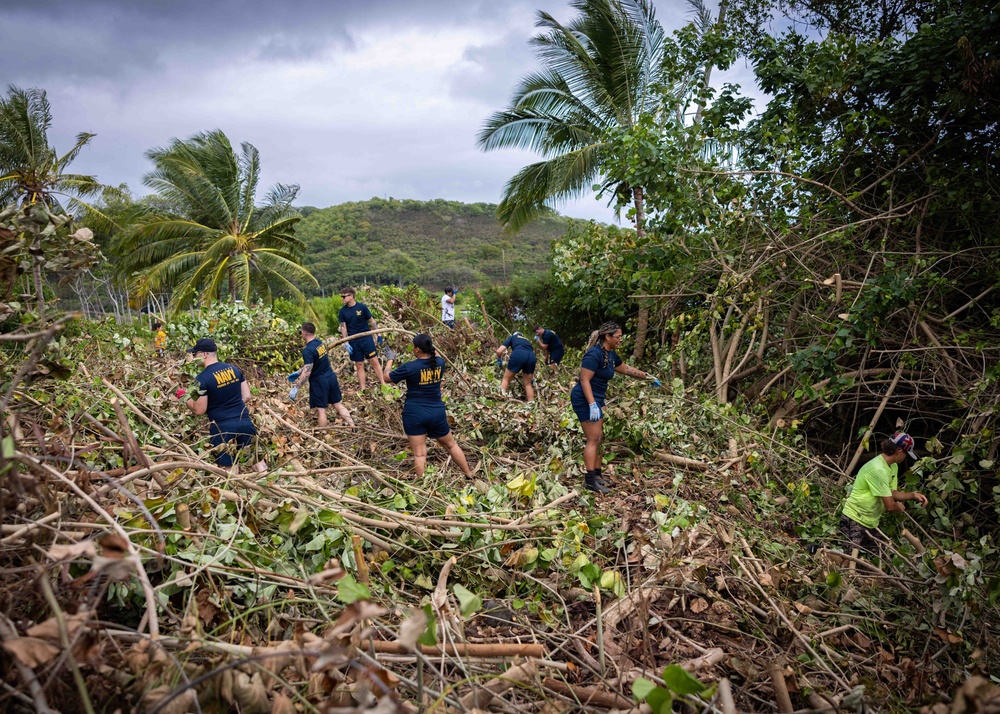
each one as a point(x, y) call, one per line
point(217, 240)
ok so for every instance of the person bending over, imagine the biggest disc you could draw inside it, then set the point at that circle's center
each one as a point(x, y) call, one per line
point(599, 365)
point(423, 411)
point(552, 345)
point(355, 317)
point(522, 359)
point(324, 387)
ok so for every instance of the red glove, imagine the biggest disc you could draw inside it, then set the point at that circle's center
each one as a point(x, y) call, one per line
point(180, 393)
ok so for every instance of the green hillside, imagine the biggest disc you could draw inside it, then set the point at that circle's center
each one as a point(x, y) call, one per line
point(432, 243)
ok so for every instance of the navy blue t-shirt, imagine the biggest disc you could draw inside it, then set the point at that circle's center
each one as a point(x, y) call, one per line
point(602, 363)
point(515, 342)
point(356, 318)
point(314, 353)
point(223, 384)
point(423, 379)
point(552, 340)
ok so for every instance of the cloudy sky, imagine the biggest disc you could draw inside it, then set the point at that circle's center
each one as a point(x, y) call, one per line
point(348, 98)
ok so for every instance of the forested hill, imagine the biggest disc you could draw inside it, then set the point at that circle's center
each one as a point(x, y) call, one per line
point(432, 243)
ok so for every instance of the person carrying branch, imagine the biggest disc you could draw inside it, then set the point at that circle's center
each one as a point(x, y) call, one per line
point(600, 363)
point(522, 359)
point(875, 492)
point(552, 345)
point(355, 318)
point(324, 387)
point(222, 391)
point(423, 411)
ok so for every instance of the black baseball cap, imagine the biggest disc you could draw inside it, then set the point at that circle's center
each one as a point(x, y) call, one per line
point(205, 344)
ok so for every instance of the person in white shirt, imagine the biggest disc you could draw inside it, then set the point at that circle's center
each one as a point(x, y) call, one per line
point(448, 307)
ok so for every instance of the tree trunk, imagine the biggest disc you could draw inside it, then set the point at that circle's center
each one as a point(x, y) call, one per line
point(640, 231)
point(36, 273)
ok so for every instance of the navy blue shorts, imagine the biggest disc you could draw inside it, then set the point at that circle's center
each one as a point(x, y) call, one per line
point(363, 349)
point(429, 419)
point(241, 431)
point(522, 361)
point(555, 356)
point(324, 391)
point(579, 402)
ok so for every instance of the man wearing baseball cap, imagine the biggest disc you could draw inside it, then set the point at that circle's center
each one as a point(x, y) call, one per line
point(222, 392)
point(875, 492)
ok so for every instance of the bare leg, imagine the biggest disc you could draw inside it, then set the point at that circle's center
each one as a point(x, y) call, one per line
point(457, 455)
point(526, 380)
point(320, 417)
point(594, 431)
point(359, 367)
point(505, 381)
point(378, 369)
point(418, 445)
point(344, 414)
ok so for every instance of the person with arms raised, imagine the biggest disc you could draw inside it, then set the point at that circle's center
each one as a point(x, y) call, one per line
point(423, 411)
point(324, 387)
point(355, 318)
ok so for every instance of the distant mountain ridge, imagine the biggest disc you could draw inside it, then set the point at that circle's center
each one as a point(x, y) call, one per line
point(431, 243)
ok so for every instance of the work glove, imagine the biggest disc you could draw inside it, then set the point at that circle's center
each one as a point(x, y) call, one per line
point(380, 339)
point(180, 392)
point(537, 338)
point(350, 350)
point(294, 392)
point(655, 380)
point(595, 412)
point(499, 362)
point(293, 376)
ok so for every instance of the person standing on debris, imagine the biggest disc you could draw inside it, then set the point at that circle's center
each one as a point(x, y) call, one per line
point(423, 411)
point(552, 345)
point(448, 307)
point(222, 391)
point(522, 359)
point(160, 340)
point(875, 492)
point(355, 317)
point(324, 388)
point(600, 363)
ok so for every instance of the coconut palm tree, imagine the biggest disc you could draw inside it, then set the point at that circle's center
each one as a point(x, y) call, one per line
point(215, 240)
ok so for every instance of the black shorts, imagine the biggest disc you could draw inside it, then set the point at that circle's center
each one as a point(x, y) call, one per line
point(449, 323)
point(324, 391)
point(555, 356)
point(430, 419)
point(522, 361)
point(363, 349)
point(579, 403)
point(240, 431)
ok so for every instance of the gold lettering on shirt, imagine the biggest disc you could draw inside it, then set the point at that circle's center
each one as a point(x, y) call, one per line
point(225, 377)
point(430, 376)
point(321, 350)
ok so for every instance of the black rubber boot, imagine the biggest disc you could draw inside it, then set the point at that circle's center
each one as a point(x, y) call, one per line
point(592, 484)
point(600, 478)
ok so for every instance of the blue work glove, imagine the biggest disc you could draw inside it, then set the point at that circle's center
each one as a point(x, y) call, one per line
point(499, 362)
point(294, 392)
point(350, 350)
point(595, 412)
point(537, 338)
point(380, 339)
point(656, 380)
point(293, 376)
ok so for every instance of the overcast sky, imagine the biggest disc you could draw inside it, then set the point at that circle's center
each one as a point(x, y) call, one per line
point(348, 98)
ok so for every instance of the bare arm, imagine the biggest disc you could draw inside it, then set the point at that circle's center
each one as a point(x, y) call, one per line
point(500, 350)
point(631, 372)
point(304, 374)
point(910, 496)
point(343, 329)
point(372, 324)
point(245, 390)
point(588, 393)
point(200, 405)
point(892, 505)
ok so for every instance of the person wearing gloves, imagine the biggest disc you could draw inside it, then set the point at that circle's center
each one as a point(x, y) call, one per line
point(875, 492)
point(522, 359)
point(355, 317)
point(222, 391)
point(552, 345)
point(324, 388)
point(448, 307)
point(423, 411)
point(600, 363)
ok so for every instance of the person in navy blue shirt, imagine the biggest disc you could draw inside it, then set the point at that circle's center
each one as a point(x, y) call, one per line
point(222, 395)
point(423, 410)
point(355, 318)
point(600, 363)
point(324, 387)
point(522, 359)
point(552, 345)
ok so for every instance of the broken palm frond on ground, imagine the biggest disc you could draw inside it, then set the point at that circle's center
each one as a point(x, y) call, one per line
point(136, 571)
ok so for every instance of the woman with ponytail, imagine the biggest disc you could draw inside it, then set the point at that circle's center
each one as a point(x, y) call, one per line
point(423, 410)
point(600, 362)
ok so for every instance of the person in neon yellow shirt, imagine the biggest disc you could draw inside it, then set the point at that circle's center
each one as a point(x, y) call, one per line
point(875, 492)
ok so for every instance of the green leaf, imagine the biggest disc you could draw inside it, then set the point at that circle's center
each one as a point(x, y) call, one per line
point(350, 590)
point(680, 682)
point(300, 519)
point(429, 637)
point(641, 688)
point(7, 447)
point(660, 701)
point(468, 601)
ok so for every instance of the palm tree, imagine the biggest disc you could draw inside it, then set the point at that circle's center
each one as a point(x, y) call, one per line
point(33, 175)
point(215, 240)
